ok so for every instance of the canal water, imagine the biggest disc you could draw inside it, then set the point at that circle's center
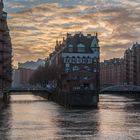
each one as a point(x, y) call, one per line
point(30, 117)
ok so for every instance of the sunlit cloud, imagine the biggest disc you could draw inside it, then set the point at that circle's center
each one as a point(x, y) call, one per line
point(35, 25)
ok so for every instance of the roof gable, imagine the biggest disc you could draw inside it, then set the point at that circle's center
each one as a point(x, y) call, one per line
point(94, 43)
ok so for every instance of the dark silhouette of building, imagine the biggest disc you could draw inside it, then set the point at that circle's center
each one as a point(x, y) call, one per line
point(5, 52)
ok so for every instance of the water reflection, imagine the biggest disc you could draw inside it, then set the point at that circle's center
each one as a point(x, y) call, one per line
point(117, 117)
point(78, 124)
point(33, 118)
point(5, 124)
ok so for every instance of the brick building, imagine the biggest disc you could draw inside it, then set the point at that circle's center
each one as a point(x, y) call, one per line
point(112, 72)
point(22, 75)
point(78, 60)
point(25, 75)
point(132, 65)
point(122, 71)
point(5, 52)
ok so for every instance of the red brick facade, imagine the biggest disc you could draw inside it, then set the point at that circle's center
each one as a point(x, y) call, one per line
point(132, 65)
point(122, 71)
point(112, 72)
point(25, 75)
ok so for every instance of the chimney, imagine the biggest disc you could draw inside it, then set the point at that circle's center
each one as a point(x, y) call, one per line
point(96, 34)
point(56, 42)
point(68, 35)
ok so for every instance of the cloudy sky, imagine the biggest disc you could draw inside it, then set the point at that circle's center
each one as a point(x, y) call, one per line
point(36, 24)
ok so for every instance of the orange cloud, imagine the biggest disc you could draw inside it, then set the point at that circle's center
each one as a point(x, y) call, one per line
point(35, 30)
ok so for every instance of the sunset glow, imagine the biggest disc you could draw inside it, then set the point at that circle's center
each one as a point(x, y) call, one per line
point(36, 25)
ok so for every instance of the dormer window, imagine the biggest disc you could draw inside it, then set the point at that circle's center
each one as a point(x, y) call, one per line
point(81, 47)
point(70, 48)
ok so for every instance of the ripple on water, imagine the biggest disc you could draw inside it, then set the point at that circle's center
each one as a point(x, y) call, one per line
point(33, 118)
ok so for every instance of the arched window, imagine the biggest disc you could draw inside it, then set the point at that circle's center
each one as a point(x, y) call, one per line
point(81, 47)
point(89, 60)
point(84, 60)
point(73, 59)
point(67, 59)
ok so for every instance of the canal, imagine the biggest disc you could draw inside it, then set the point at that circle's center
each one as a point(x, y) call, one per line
point(30, 117)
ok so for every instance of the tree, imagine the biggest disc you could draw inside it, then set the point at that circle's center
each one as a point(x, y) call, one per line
point(45, 74)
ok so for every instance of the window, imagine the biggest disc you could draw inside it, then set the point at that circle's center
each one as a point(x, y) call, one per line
point(70, 48)
point(89, 60)
point(87, 68)
point(73, 60)
point(65, 60)
point(81, 47)
point(95, 60)
point(85, 78)
point(75, 68)
point(67, 65)
point(79, 60)
point(95, 70)
point(84, 60)
point(67, 69)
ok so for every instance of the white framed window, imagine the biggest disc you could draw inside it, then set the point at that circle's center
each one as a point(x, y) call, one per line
point(78, 60)
point(65, 60)
point(95, 70)
point(73, 60)
point(67, 69)
point(86, 78)
point(84, 60)
point(67, 65)
point(87, 68)
point(75, 68)
point(70, 61)
point(89, 60)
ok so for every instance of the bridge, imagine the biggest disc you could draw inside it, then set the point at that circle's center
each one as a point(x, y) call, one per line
point(122, 89)
point(34, 89)
point(22, 90)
